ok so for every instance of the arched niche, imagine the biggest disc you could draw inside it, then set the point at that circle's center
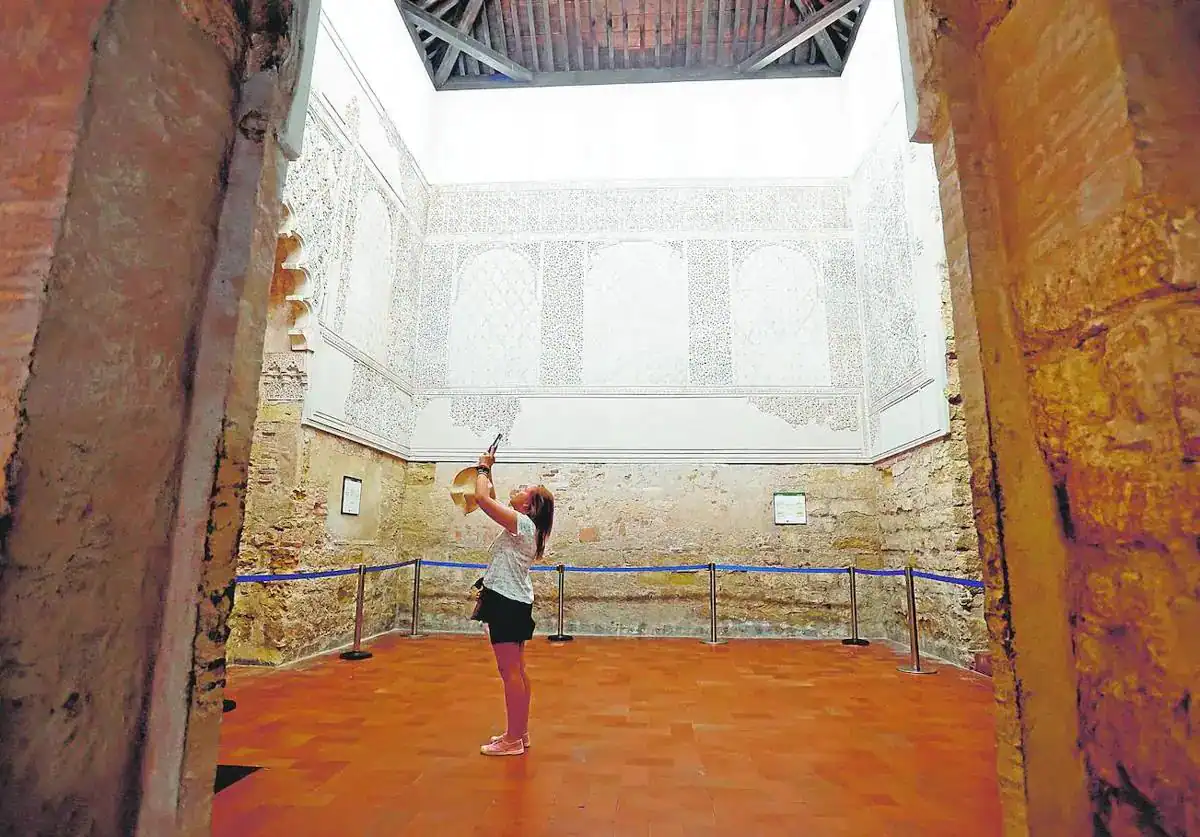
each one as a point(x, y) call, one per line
point(368, 294)
point(289, 311)
point(495, 322)
point(635, 316)
point(779, 322)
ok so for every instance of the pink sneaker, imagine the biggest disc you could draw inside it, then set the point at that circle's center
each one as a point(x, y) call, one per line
point(503, 748)
point(496, 739)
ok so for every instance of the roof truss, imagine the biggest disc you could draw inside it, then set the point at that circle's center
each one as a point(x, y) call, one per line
point(472, 44)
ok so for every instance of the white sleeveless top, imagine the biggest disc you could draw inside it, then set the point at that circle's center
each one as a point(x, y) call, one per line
point(511, 558)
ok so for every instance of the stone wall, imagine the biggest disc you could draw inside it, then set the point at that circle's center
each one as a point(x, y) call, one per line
point(294, 521)
point(927, 521)
point(1073, 250)
point(662, 515)
point(132, 300)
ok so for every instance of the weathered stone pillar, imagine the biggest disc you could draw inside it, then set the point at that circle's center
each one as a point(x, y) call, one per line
point(138, 195)
point(1070, 196)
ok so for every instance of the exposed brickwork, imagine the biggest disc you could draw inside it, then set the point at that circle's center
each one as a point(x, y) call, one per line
point(665, 515)
point(115, 379)
point(1068, 125)
point(42, 91)
point(293, 521)
point(87, 542)
point(927, 521)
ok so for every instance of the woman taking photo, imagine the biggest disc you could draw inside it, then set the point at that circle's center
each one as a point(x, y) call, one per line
point(506, 597)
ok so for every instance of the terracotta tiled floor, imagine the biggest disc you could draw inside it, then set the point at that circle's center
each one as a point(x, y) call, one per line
point(630, 737)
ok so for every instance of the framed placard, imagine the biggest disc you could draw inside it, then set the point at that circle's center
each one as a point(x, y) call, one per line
point(351, 495)
point(790, 508)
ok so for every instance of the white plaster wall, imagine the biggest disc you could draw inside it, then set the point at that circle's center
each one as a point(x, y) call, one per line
point(360, 202)
point(623, 428)
point(712, 323)
point(603, 206)
point(762, 129)
point(769, 129)
point(377, 43)
point(898, 216)
point(872, 81)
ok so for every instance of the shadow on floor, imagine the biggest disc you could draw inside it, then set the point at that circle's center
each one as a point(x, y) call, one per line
point(228, 774)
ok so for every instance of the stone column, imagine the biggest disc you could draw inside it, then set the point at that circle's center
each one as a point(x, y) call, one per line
point(1062, 134)
point(135, 174)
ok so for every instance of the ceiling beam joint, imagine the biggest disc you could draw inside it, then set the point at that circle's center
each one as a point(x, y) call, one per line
point(464, 27)
point(798, 34)
point(464, 43)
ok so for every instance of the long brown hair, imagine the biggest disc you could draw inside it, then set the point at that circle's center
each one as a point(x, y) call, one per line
point(541, 512)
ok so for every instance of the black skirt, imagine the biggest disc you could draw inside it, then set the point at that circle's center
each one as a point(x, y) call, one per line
point(507, 620)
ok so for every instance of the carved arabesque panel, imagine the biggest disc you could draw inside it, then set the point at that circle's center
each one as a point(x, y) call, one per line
point(778, 314)
point(317, 192)
point(564, 263)
point(710, 348)
point(495, 321)
point(284, 377)
point(893, 345)
point(635, 315)
point(380, 406)
point(484, 414)
point(837, 412)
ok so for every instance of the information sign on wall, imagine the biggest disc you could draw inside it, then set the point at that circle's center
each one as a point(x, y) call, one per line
point(351, 495)
point(790, 509)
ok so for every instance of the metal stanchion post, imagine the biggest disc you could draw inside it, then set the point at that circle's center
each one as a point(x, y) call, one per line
point(914, 648)
point(712, 607)
point(854, 639)
point(413, 632)
point(561, 636)
point(356, 652)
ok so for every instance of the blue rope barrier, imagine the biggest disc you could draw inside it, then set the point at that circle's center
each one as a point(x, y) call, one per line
point(550, 568)
point(674, 568)
point(381, 567)
point(296, 576)
point(739, 568)
point(949, 579)
point(454, 565)
point(678, 568)
point(305, 576)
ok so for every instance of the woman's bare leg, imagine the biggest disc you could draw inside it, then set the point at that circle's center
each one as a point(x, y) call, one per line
point(527, 695)
point(516, 698)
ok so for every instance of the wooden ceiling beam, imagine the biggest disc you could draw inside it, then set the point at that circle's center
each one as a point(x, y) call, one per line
point(823, 41)
point(793, 37)
point(638, 76)
point(858, 19)
point(465, 44)
point(533, 47)
point(464, 27)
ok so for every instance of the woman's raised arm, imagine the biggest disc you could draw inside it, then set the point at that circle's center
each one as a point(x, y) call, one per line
point(505, 515)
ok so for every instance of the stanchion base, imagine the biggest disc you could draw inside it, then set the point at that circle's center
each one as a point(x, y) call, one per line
point(356, 655)
point(415, 636)
point(715, 642)
point(560, 638)
point(857, 643)
point(911, 670)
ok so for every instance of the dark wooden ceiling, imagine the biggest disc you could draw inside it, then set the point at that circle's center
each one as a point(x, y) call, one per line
point(469, 44)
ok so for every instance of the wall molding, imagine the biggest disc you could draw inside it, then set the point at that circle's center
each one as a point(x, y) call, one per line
point(905, 389)
point(338, 427)
point(933, 436)
point(613, 456)
point(341, 344)
point(696, 391)
point(618, 456)
point(501, 238)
